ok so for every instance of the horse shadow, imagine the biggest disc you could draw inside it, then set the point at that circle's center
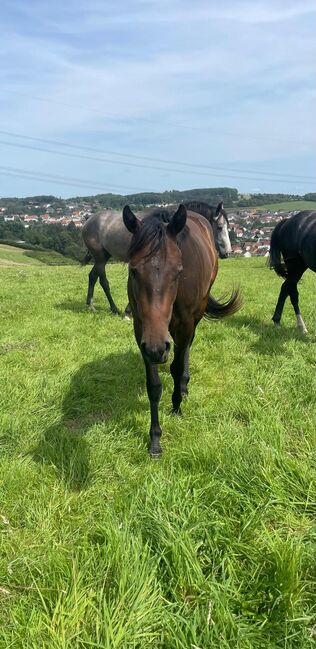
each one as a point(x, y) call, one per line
point(101, 390)
point(76, 306)
point(270, 340)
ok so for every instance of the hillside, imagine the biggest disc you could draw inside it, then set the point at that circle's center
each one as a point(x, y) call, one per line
point(286, 206)
point(17, 256)
point(41, 205)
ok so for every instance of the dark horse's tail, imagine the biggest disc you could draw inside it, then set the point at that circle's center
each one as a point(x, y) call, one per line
point(86, 259)
point(216, 310)
point(275, 261)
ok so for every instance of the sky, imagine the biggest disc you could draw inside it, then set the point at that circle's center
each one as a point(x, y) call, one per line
point(151, 95)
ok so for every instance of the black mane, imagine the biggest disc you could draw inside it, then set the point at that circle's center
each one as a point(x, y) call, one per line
point(206, 210)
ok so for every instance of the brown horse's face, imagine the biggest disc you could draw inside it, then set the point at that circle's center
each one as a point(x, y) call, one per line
point(154, 270)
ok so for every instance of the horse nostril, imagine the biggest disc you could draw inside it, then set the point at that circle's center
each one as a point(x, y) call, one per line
point(168, 345)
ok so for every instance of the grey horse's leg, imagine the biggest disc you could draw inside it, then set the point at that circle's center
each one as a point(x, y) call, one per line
point(106, 287)
point(93, 276)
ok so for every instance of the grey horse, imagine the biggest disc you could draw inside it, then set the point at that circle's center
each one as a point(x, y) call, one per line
point(106, 236)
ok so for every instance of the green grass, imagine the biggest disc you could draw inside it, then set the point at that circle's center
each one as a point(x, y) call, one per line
point(214, 545)
point(12, 255)
point(287, 206)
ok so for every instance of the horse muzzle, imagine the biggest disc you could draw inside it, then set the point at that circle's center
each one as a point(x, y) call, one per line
point(156, 354)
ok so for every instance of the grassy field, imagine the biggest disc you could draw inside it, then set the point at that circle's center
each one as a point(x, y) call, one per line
point(287, 206)
point(213, 546)
point(12, 255)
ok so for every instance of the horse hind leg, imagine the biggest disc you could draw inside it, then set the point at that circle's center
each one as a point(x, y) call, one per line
point(93, 276)
point(106, 287)
point(294, 299)
point(284, 292)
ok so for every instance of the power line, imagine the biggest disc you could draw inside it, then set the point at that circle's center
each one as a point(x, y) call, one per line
point(188, 127)
point(149, 159)
point(64, 180)
point(154, 167)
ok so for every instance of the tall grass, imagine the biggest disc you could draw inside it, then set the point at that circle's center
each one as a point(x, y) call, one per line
point(211, 547)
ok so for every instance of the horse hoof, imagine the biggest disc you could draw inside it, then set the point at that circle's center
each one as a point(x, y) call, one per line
point(91, 308)
point(277, 325)
point(303, 330)
point(128, 318)
point(155, 455)
point(176, 411)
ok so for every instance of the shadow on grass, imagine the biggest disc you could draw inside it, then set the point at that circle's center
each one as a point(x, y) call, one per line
point(102, 390)
point(271, 339)
point(79, 307)
point(75, 306)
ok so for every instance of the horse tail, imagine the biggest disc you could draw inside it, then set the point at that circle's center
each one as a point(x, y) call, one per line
point(86, 259)
point(216, 310)
point(275, 262)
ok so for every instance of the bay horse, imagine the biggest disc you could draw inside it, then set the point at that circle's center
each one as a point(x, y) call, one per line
point(294, 239)
point(105, 236)
point(172, 265)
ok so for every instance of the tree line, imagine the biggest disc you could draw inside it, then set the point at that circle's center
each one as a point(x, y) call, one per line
point(66, 240)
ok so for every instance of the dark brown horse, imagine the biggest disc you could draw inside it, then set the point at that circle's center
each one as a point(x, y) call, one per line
point(172, 266)
point(294, 239)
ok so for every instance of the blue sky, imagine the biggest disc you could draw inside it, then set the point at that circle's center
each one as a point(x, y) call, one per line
point(147, 95)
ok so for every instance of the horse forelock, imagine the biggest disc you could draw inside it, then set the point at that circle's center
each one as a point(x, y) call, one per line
point(151, 232)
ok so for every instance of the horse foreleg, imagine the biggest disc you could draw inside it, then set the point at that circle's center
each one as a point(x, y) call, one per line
point(154, 390)
point(128, 312)
point(93, 276)
point(179, 369)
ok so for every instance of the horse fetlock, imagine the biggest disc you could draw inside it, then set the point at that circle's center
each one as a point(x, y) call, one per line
point(115, 310)
point(176, 410)
point(301, 324)
point(155, 450)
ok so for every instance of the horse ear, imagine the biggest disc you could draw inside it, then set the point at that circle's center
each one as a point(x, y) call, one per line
point(178, 221)
point(219, 208)
point(131, 221)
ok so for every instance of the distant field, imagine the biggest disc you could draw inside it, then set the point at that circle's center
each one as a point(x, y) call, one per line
point(286, 207)
point(213, 546)
point(11, 255)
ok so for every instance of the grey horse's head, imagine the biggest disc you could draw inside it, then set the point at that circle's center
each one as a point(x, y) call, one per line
point(220, 229)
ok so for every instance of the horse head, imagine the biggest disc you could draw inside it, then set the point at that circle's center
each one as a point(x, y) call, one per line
point(155, 264)
point(220, 229)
